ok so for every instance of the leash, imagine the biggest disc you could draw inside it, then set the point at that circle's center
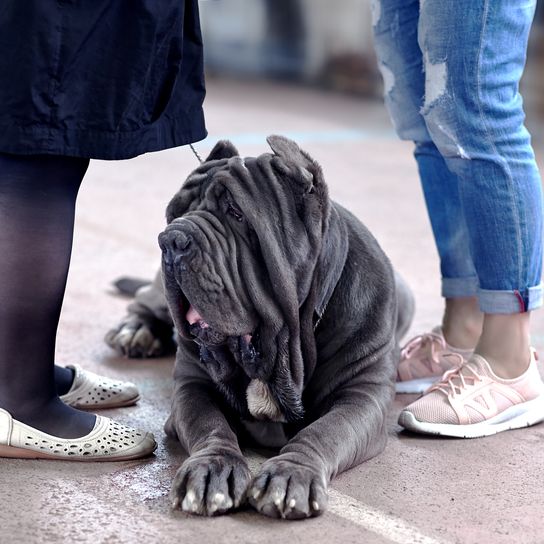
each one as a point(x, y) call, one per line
point(200, 160)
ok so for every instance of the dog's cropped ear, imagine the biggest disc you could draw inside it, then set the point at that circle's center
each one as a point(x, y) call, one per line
point(223, 149)
point(287, 149)
point(296, 161)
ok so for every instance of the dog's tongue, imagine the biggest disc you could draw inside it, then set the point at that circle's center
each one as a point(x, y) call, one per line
point(194, 317)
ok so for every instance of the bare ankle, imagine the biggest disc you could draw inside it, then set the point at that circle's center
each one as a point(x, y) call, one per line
point(462, 322)
point(505, 343)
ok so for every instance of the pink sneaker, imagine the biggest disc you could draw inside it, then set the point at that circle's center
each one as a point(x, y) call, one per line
point(471, 401)
point(424, 360)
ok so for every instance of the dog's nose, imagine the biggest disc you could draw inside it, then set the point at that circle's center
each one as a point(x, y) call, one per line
point(174, 243)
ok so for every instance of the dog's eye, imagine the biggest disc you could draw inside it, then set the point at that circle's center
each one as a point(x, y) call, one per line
point(235, 212)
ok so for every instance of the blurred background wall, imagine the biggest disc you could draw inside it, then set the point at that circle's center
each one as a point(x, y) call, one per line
point(318, 42)
point(323, 43)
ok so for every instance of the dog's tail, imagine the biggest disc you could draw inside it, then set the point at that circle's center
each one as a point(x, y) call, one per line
point(128, 286)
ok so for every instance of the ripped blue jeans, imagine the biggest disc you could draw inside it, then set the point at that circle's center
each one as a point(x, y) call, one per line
point(451, 72)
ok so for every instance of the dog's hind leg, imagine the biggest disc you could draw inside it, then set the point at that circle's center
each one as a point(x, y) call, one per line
point(147, 329)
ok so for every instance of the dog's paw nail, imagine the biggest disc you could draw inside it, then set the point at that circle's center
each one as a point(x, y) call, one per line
point(175, 504)
point(218, 498)
point(256, 494)
point(221, 501)
point(315, 506)
point(278, 499)
point(154, 349)
point(189, 503)
point(292, 503)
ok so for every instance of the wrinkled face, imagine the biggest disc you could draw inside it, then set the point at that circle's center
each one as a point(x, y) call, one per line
point(239, 255)
point(206, 253)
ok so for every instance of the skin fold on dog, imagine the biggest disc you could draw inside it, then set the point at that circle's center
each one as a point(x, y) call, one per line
point(287, 315)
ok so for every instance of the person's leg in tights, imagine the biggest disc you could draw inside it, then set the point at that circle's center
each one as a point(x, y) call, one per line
point(37, 204)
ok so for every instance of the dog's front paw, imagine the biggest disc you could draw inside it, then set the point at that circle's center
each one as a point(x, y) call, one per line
point(209, 485)
point(137, 337)
point(285, 488)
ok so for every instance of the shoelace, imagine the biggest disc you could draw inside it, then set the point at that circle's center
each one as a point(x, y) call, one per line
point(437, 343)
point(447, 384)
point(420, 341)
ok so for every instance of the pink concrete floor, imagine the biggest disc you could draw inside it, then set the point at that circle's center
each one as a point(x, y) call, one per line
point(419, 490)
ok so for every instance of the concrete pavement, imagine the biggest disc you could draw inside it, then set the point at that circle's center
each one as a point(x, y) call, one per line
point(420, 489)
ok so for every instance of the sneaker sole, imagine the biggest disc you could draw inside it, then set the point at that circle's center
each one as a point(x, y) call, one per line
point(415, 386)
point(12, 452)
point(516, 417)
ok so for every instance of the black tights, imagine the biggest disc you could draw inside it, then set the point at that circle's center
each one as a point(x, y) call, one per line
point(37, 204)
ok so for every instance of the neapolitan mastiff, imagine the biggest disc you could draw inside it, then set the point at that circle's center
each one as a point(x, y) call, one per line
point(288, 317)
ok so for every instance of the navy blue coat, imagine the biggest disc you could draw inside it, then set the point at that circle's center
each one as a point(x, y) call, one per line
point(103, 79)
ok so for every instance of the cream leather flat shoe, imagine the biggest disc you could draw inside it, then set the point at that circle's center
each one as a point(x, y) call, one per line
point(93, 392)
point(108, 441)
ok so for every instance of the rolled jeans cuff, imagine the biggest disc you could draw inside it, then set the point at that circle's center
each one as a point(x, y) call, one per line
point(460, 287)
point(510, 302)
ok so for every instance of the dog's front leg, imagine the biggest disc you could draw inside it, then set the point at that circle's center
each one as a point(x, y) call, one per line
point(215, 476)
point(294, 484)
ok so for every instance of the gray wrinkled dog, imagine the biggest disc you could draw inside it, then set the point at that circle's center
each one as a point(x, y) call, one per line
point(287, 319)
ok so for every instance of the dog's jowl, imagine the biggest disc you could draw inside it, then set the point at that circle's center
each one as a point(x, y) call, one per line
point(287, 315)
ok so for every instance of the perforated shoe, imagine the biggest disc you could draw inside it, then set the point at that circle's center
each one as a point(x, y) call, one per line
point(108, 441)
point(472, 401)
point(90, 391)
point(424, 359)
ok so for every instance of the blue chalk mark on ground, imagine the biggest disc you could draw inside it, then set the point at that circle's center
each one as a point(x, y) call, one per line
point(301, 137)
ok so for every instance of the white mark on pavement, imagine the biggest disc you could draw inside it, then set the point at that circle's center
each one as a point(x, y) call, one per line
point(390, 527)
point(346, 507)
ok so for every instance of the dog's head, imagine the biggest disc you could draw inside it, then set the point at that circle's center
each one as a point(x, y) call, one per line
point(241, 255)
